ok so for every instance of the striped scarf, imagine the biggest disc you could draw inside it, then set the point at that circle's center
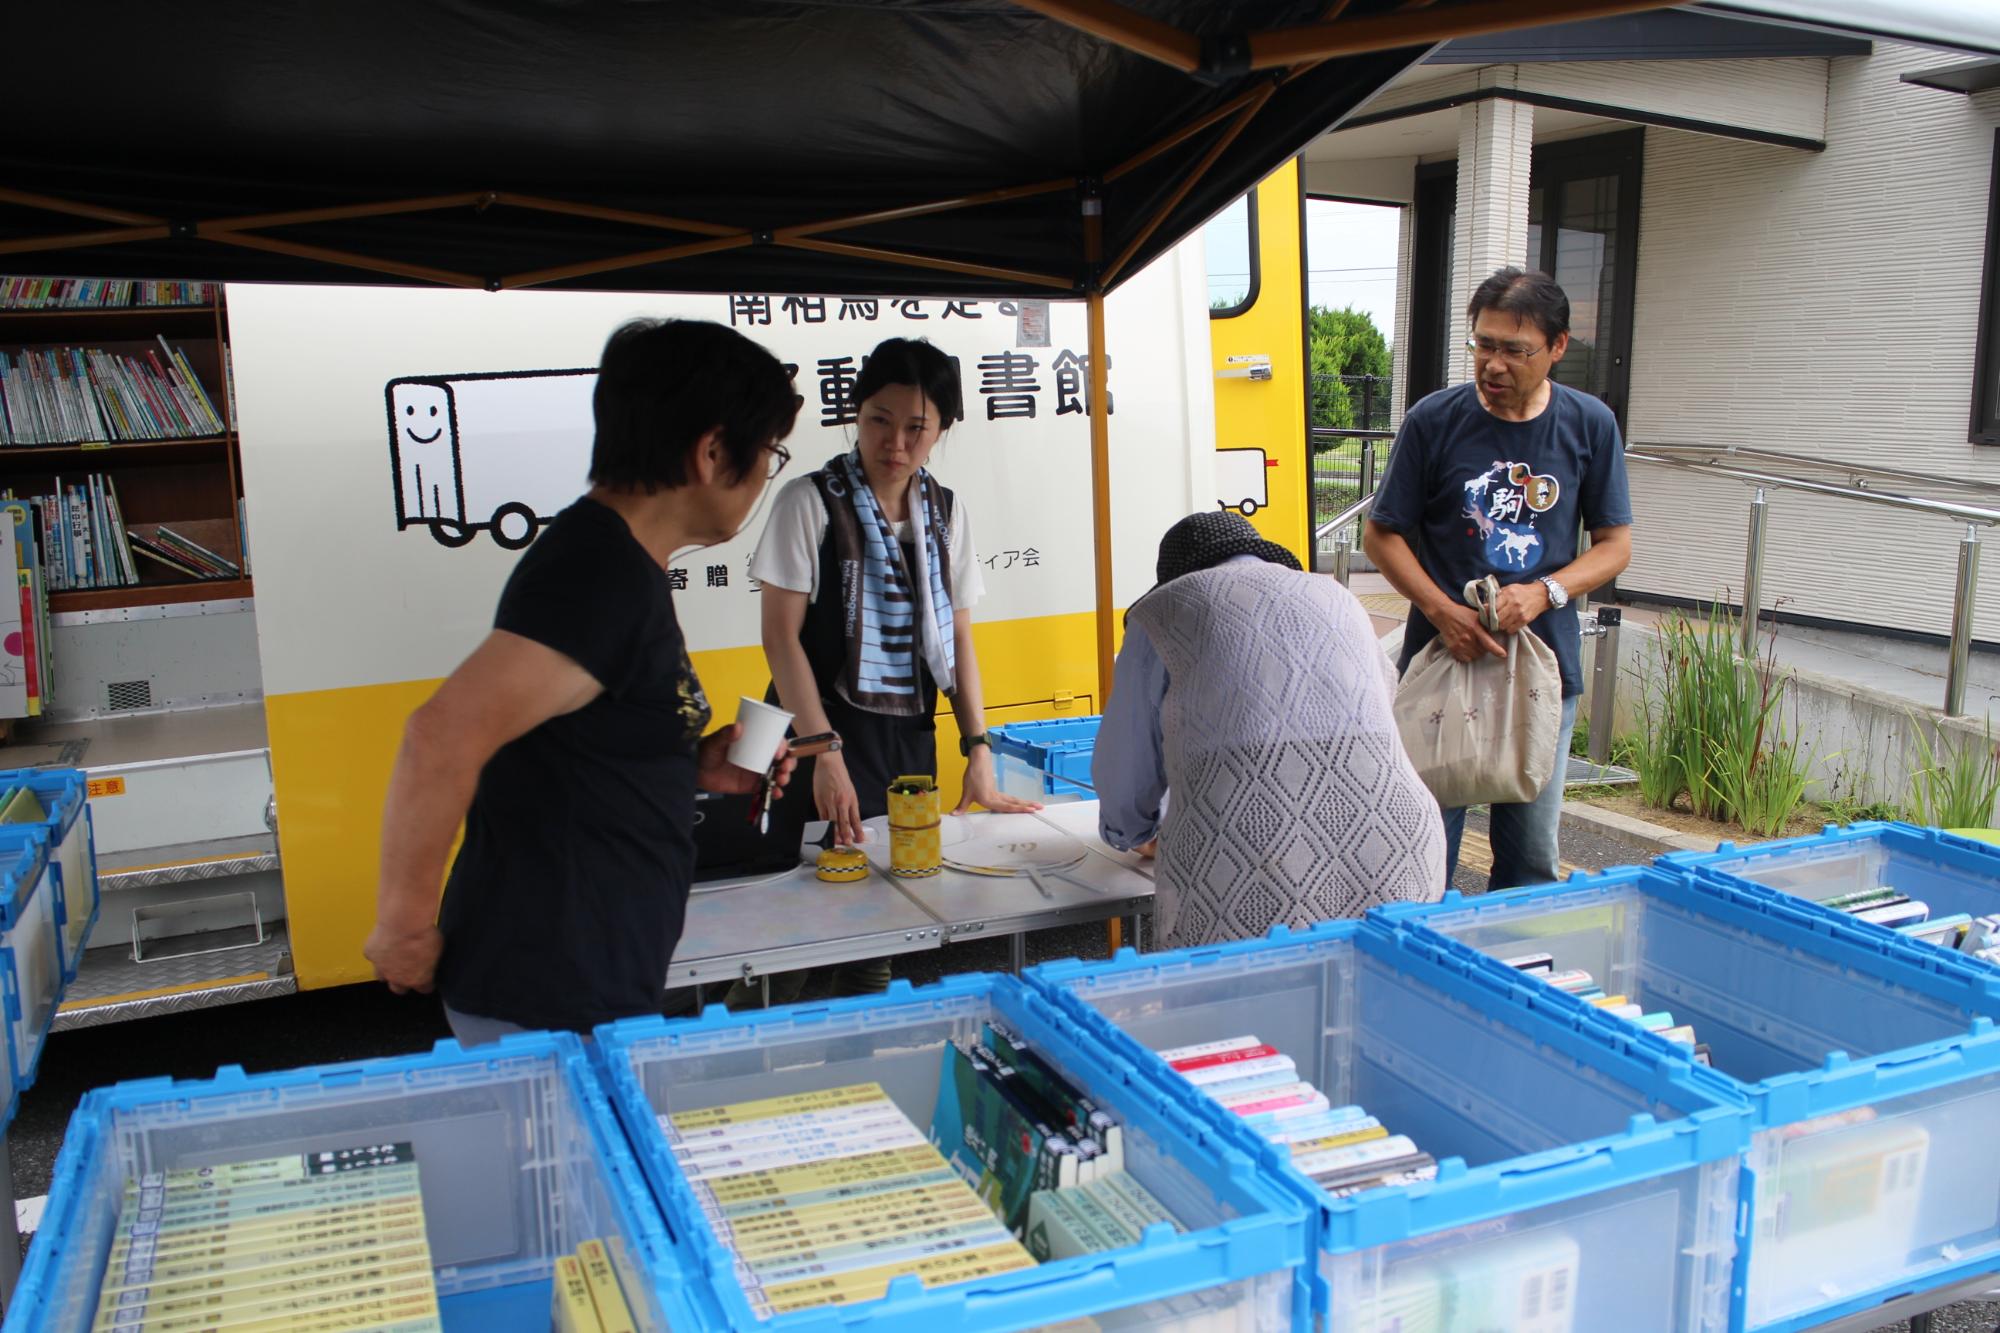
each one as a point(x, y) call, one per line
point(888, 626)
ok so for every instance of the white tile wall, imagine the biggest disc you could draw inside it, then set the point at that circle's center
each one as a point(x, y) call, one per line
point(1820, 303)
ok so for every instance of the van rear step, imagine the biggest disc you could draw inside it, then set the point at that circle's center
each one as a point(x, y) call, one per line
point(111, 988)
point(186, 862)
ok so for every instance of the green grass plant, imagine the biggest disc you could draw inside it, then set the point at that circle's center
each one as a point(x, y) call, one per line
point(1955, 784)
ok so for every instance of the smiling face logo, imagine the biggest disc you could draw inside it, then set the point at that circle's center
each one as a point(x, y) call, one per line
point(422, 412)
point(420, 415)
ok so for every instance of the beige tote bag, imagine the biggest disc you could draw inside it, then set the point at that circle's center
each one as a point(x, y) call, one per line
point(1482, 732)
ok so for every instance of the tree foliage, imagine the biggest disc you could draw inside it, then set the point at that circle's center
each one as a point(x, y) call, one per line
point(1342, 342)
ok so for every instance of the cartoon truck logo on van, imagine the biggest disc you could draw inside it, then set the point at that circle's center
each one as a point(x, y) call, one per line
point(1240, 479)
point(499, 452)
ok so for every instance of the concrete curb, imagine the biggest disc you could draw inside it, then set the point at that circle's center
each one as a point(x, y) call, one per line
point(1652, 839)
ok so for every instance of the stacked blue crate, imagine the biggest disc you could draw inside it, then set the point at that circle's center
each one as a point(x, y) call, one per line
point(1586, 1180)
point(519, 1156)
point(1950, 875)
point(1870, 1064)
point(31, 979)
point(1045, 761)
point(1238, 1265)
point(63, 793)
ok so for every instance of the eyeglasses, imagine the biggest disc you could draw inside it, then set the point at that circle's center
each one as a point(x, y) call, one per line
point(1489, 349)
point(780, 456)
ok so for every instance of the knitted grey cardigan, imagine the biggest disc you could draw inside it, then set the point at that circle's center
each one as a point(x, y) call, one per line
point(1292, 799)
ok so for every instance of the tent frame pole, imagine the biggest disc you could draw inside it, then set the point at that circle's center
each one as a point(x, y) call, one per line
point(1189, 181)
point(1415, 26)
point(1133, 31)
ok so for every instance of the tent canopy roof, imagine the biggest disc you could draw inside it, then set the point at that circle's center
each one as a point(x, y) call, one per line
point(559, 143)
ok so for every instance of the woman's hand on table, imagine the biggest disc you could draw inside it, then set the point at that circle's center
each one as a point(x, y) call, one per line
point(1148, 849)
point(983, 788)
point(833, 794)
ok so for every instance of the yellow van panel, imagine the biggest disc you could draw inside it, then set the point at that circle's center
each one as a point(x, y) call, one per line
point(332, 752)
point(1270, 415)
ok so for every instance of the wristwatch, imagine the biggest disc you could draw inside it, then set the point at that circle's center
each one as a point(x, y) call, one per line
point(965, 743)
point(1558, 595)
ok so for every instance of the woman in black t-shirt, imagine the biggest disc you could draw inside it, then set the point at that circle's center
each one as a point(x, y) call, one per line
point(570, 742)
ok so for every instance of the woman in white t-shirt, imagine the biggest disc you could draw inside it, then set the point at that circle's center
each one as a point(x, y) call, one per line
point(870, 575)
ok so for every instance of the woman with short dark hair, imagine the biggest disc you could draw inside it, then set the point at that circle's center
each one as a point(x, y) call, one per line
point(570, 742)
point(870, 575)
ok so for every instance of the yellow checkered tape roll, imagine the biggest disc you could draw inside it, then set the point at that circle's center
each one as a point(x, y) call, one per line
point(916, 846)
point(842, 865)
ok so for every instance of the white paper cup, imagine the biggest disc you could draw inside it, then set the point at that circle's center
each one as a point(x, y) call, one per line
point(763, 732)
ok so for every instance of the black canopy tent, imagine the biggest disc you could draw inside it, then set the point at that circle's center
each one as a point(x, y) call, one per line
point(936, 147)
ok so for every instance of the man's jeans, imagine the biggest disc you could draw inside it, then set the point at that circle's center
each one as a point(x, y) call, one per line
point(1523, 835)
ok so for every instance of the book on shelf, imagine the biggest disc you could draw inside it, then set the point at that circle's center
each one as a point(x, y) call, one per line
point(100, 294)
point(24, 645)
point(77, 395)
point(85, 540)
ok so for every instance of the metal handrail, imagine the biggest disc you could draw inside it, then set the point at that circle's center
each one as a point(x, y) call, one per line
point(1943, 508)
point(1349, 433)
point(1973, 516)
point(1344, 517)
point(1852, 470)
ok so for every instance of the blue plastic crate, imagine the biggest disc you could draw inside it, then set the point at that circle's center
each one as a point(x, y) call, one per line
point(1239, 1264)
point(1950, 873)
point(73, 852)
point(520, 1156)
point(31, 979)
point(1870, 1063)
point(1582, 1175)
point(1033, 759)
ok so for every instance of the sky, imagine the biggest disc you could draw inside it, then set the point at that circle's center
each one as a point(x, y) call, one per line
point(1350, 257)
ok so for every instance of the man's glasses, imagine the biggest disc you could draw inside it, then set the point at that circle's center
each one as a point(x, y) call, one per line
point(780, 456)
point(1489, 349)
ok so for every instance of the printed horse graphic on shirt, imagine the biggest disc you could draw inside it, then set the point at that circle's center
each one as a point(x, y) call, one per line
point(1479, 520)
point(1516, 545)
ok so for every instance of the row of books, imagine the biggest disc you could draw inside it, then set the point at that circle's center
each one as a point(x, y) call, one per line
point(1013, 1125)
point(1884, 905)
point(26, 661)
point(1580, 983)
point(304, 1243)
point(100, 293)
point(79, 395)
point(86, 542)
point(1342, 1149)
point(588, 1296)
point(1111, 1212)
point(825, 1197)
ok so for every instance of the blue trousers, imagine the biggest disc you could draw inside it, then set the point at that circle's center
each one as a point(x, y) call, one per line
point(1523, 835)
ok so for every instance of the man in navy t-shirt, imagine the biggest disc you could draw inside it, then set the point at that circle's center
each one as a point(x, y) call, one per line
point(1495, 477)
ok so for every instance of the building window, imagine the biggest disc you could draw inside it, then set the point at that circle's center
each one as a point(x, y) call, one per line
point(1233, 274)
point(1986, 359)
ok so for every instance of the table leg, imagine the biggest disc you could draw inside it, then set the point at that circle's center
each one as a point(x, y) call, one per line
point(10, 1234)
point(765, 982)
point(1114, 935)
point(1017, 951)
point(1921, 1323)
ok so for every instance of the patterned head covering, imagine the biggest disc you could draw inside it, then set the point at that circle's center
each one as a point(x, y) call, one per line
point(1203, 541)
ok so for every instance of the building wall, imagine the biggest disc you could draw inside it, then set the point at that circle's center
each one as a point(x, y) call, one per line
point(1824, 304)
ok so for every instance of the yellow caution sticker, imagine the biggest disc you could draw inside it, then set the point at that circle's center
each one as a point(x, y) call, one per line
point(106, 787)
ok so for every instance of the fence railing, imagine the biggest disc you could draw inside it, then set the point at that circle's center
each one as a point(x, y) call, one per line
point(1346, 467)
point(1762, 469)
